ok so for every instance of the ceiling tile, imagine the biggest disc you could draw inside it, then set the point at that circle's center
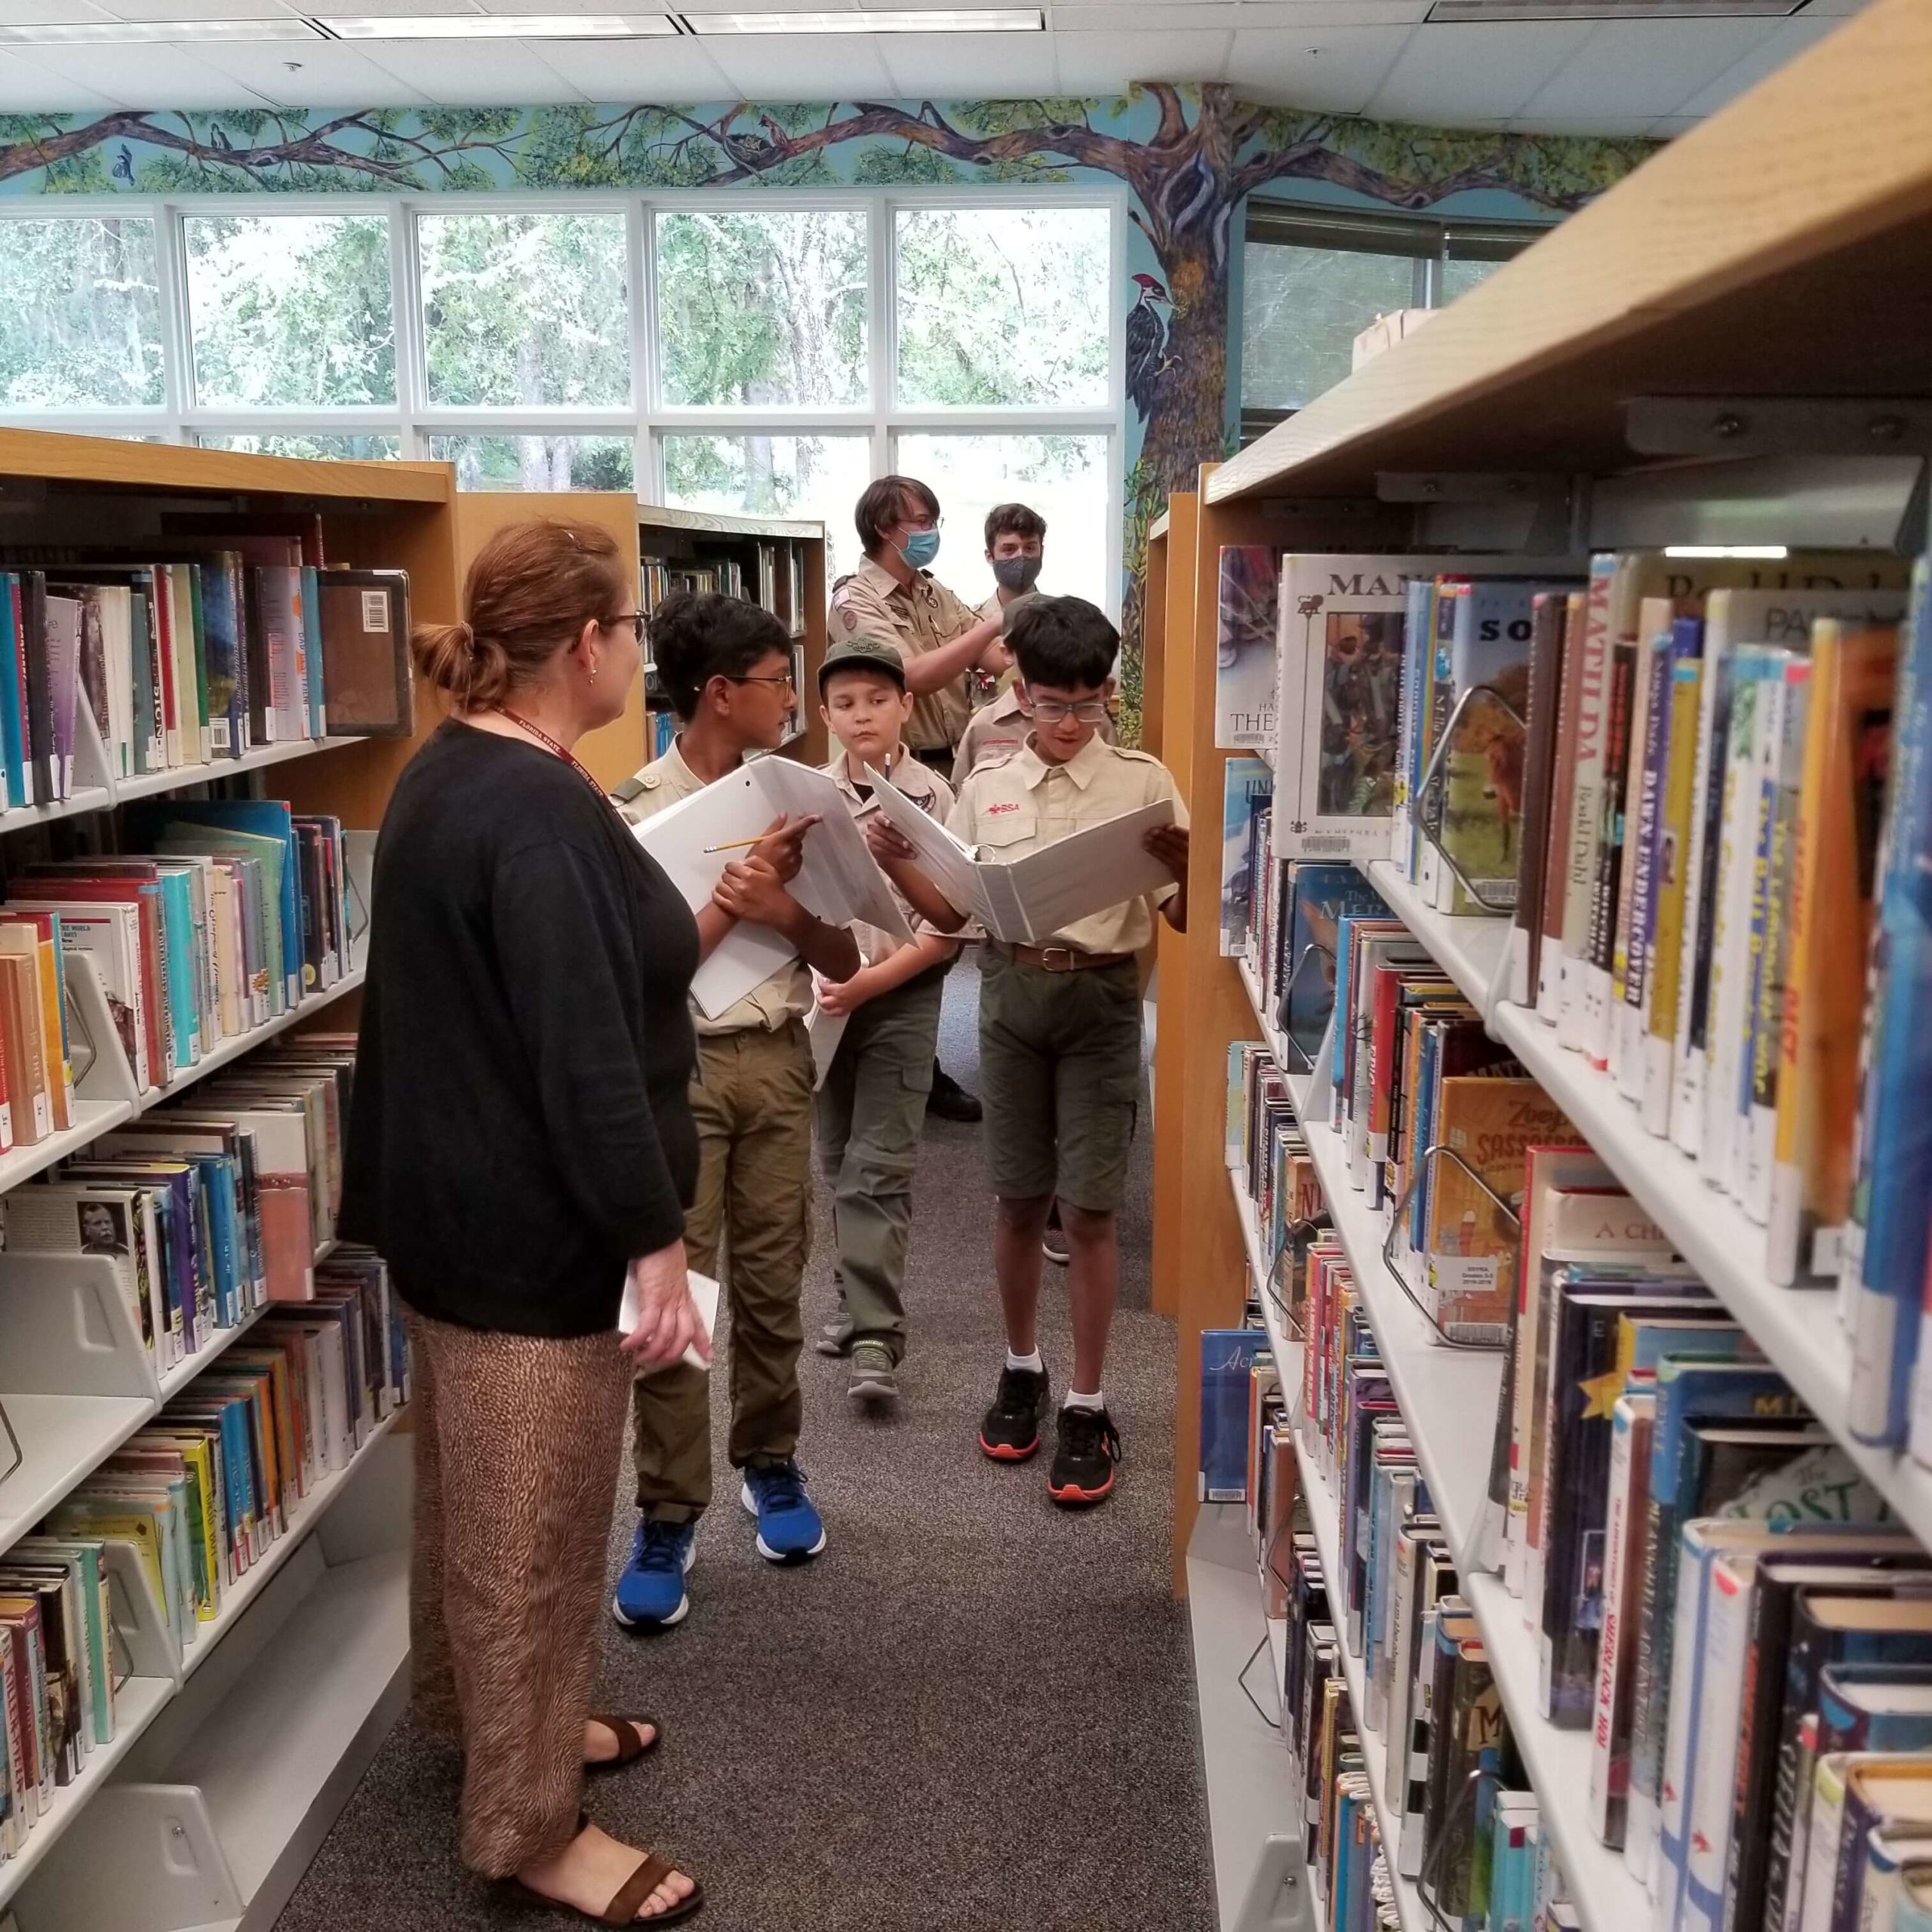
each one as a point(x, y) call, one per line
point(1225, 16)
point(326, 74)
point(1786, 41)
point(371, 9)
point(1461, 75)
point(189, 10)
point(633, 70)
point(26, 88)
point(960, 66)
point(763, 66)
point(1342, 70)
point(36, 12)
point(1106, 63)
point(145, 73)
point(523, 6)
point(472, 73)
point(1641, 67)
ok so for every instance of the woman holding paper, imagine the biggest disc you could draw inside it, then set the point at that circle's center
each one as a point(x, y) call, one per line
point(521, 1145)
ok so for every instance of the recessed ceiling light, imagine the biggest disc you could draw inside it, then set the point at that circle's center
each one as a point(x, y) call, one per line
point(990, 20)
point(1464, 12)
point(123, 31)
point(1769, 552)
point(500, 26)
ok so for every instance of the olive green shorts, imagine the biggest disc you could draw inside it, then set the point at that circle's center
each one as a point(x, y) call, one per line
point(1060, 1074)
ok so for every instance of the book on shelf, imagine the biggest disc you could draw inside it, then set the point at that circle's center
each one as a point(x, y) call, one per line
point(1248, 790)
point(1248, 583)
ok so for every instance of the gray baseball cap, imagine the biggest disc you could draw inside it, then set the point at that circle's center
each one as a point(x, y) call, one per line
point(863, 653)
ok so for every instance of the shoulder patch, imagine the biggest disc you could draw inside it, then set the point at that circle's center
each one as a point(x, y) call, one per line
point(631, 787)
point(848, 618)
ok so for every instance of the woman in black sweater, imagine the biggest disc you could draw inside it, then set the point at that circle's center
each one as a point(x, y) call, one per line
point(521, 1141)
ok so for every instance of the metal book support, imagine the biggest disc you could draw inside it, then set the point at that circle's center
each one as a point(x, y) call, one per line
point(1429, 1889)
point(19, 1454)
point(1430, 1155)
point(1432, 791)
point(1288, 993)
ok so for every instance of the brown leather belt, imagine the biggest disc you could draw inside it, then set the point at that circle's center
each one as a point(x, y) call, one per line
point(1056, 958)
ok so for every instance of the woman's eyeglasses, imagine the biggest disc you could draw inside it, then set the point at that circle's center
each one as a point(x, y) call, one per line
point(633, 621)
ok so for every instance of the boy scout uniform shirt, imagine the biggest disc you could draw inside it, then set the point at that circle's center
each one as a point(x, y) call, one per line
point(787, 995)
point(917, 617)
point(1022, 804)
point(999, 730)
point(925, 788)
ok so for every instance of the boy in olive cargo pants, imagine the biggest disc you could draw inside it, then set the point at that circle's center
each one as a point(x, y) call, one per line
point(872, 1103)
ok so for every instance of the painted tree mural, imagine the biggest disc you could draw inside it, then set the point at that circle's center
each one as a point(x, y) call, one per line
point(1188, 156)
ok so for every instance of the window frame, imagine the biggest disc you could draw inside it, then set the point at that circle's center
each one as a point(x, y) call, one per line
point(181, 418)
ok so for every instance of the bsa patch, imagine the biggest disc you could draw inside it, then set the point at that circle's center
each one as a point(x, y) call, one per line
point(848, 618)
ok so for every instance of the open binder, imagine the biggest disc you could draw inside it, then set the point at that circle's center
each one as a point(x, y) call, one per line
point(1023, 903)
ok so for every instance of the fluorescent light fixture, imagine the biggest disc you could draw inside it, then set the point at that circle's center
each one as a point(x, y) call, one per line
point(122, 31)
point(500, 26)
point(984, 19)
point(1464, 12)
point(1771, 552)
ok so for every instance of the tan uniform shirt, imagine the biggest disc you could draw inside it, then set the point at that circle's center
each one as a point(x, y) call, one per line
point(925, 788)
point(788, 993)
point(1021, 804)
point(917, 617)
point(999, 730)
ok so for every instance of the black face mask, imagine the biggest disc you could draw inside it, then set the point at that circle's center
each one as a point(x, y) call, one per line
point(1017, 573)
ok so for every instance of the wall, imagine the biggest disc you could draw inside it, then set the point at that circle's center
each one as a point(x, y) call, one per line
point(1188, 157)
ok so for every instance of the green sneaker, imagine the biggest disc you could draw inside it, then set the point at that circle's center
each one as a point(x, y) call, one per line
point(874, 1376)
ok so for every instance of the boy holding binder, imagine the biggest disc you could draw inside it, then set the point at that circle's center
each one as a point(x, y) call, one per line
point(1060, 1026)
point(727, 665)
point(872, 1102)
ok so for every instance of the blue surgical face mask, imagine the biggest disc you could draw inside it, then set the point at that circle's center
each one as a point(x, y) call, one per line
point(920, 549)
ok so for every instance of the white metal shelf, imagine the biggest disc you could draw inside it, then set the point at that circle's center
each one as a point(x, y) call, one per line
point(239, 1044)
point(65, 1439)
point(1277, 1042)
point(1471, 951)
point(1448, 1396)
point(176, 777)
point(1250, 1239)
point(92, 1120)
point(136, 1706)
point(211, 1351)
point(1608, 1897)
point(1796, 1328)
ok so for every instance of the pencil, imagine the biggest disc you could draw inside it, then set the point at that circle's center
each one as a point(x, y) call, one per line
point(739, 844)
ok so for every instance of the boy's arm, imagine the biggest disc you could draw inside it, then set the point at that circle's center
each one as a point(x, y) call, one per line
point(751, 889)
point(895, 858)
point(906, 962)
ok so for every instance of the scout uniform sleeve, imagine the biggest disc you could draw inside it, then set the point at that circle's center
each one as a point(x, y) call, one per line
point(858, 611)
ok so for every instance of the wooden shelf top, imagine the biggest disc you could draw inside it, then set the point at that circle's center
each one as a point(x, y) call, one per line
point(662, 516)
point(1783, 247)
point(45, 453)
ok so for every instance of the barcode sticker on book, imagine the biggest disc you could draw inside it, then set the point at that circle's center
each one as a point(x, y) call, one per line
point(375, 609)
point(1323, 841)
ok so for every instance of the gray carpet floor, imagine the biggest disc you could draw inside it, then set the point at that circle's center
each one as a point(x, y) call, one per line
point(973, 1712)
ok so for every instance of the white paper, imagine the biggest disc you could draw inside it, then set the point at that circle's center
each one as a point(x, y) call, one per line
point(704, 1293)
point(839, 881)
point(825, 1030)
point(1024, 902)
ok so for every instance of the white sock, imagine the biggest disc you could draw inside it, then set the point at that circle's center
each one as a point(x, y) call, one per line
point(1074, 1400)
point(1031, 1363)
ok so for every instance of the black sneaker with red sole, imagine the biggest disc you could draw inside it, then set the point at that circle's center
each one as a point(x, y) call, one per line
point(1010, 1431)
point(1084, 1462)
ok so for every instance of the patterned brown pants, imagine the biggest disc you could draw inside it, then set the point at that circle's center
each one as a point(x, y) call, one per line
point(517, 1443)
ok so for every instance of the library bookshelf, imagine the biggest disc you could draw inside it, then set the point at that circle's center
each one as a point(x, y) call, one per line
point(232, 1756)
point(1727, 348)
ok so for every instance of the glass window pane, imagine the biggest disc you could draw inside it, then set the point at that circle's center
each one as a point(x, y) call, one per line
point(1000, 306)
point(816, 478)
point(291, 309)
point(538, 463)
point(81, 326)
point(346, 449)
point(1064, 478)
point(1454, 278)
point(1302, 309)
point(763, 308)
point(526, 309)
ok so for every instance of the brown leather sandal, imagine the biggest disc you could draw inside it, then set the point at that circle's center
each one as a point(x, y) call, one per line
point(630, 1746)
point(650, 1872)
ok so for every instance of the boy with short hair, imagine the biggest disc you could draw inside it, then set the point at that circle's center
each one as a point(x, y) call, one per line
point(1060, 1028)
point(872, 1102)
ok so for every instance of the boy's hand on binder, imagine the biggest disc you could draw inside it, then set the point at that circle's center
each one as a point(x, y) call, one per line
point(753, 888)
point(1168, 843)
point(782, 847)
point(668, 1322)
point(886, 843)
point(845, 996)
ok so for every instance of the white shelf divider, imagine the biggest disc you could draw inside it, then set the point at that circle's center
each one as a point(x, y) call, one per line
point(1473, 951)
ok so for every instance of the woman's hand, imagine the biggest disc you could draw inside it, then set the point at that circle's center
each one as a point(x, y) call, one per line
point(668, 1320)
point(753, 888)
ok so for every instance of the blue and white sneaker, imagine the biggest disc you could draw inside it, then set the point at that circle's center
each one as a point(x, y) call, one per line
point(789, 1528)
point(650, 1592)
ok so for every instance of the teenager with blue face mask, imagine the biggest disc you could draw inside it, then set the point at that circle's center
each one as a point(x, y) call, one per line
point(893, 596)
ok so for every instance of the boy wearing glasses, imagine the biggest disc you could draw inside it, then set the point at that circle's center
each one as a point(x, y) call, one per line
point(1060, 1028)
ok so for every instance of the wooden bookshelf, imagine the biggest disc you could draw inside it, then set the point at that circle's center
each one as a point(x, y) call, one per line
point(700, 537)
point(78, 1383)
